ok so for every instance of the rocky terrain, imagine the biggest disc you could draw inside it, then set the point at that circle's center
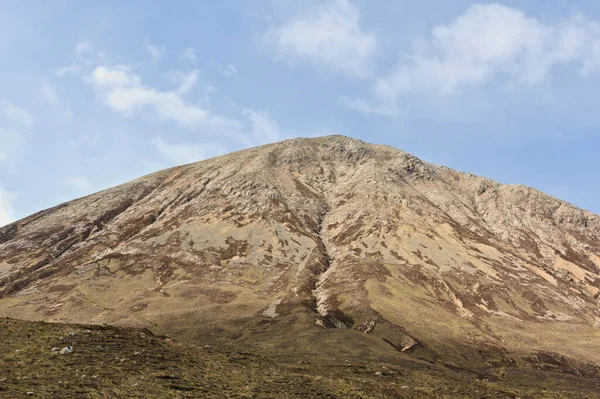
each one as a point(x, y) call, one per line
point(322, 246)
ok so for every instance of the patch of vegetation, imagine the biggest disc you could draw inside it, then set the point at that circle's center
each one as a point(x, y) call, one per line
point(113, 362)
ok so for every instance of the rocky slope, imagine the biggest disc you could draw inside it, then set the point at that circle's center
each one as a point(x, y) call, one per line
point(311, 244)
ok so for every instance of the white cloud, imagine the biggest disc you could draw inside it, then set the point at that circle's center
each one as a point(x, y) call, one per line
point(327, 35)
point(73, 69)
point(83, 48)
point(156, 52)
point(14, 115)
point(7, 212)
point(119, 76)
point(48, 94)
point(123, 91)
point(189, 54)
point(490, 41)
point(183, 153)
point(80, 184)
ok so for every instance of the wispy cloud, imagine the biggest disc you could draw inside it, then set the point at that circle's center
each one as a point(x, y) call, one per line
point(15, 115)
point(229, 71)
point(80, 185)
point(364, 106)
point(189, 54)
point(260, 129)
point(156, 52)
point(85, 59)
point(263, 128)
point(48, 94)
point(185, 81)
point(327, 35)
point(83, 48)
point(15, 125)
point(11, 141)
point(73, 69)
point(66, 114)
point(7, 212)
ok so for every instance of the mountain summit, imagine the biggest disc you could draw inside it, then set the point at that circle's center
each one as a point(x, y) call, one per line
point(321, 244)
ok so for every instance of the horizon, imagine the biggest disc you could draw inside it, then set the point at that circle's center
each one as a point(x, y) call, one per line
point(97, 94)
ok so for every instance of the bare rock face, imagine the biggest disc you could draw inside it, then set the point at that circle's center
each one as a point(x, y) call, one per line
point(311, 236)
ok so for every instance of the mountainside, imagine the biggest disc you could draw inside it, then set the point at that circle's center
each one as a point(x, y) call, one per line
point(315, 245)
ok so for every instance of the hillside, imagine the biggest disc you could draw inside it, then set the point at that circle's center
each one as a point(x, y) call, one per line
point(111, 362)
point(321, 246)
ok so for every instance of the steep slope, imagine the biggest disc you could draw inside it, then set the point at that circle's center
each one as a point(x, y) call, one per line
point(281, 247)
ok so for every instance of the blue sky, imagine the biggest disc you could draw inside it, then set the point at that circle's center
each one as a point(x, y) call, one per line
point(97, 93)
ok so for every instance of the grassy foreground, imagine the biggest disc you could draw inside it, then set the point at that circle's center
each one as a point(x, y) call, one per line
point(113, 362)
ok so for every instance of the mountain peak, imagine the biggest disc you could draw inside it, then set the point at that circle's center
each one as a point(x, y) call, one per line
point(310, 236)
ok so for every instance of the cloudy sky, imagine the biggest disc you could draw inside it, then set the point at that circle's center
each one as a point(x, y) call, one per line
point(96, 93)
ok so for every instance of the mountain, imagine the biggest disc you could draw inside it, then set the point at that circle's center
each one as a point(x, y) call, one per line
point(321, 245)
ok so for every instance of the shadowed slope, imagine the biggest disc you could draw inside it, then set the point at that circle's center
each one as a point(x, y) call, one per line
point(117, 362)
